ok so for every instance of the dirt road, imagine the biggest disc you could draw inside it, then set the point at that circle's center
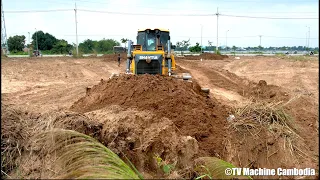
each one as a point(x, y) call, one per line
point(298, 77)
point(51, 83)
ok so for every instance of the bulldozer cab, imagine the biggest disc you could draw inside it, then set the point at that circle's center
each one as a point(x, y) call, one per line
point(152, 54)
point(150, 39)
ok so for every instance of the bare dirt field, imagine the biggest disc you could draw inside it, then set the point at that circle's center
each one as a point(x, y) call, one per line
point(274, 101)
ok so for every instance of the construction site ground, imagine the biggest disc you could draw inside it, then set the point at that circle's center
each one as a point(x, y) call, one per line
point(46, 90)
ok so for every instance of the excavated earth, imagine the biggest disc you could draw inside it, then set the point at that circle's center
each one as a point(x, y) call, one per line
point(142, 117)
point(192, 112)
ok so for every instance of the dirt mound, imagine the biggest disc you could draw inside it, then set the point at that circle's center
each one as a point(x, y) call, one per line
point(20, 159)
point(69, 121)
point(205, 56)
point(182, 102)
point(263, 135)
point(211, 56)
point(263, 91)
point(15, 132)
point(114, 57)
point(142, 137)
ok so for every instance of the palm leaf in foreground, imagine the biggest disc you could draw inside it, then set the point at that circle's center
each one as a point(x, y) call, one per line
point(215, 168)
point(80, 156)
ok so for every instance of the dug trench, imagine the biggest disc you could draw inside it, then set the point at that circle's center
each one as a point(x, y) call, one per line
point(143, 117)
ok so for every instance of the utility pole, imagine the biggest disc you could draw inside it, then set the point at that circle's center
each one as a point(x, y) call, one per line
point(201, 37)
point(260, 40)
point(227, 39)
point(29, 44)
point(75, 14)
point(217, 48)
point(4, 41)
point(306, 40)
point(37, 40)
point(309, 38)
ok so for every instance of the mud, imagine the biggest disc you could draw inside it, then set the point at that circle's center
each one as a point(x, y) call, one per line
point(114, 57)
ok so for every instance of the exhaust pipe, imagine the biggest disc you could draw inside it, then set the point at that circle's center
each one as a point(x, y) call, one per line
point(169, 67)
point(128, 57)
point(169, 49)
point(169, 58)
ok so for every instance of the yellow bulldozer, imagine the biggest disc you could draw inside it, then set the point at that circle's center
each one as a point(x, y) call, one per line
point(152, 54)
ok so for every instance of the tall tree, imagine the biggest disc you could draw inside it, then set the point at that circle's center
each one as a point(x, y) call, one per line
point(185, 44)
point(124, 41)
point(62, 47)
point(16, 43)
point(44, 41)
point(196, 48)
point(234, 48)
point(178, 45)
point(106, 45)
point(87, 46)
point(210, 45)
point(102, 46)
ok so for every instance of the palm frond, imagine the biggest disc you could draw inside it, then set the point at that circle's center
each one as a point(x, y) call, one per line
point(81, 156)
point(215, 168)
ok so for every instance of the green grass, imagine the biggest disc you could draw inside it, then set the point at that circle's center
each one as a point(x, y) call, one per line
point(300, 58)
point(19, 53)
point(257, 52)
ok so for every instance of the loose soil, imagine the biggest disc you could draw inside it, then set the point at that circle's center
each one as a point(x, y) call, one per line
point(192, 112)
point(145, 116)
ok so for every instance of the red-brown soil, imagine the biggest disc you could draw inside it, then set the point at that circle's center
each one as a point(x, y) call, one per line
point(204, 56)
point(141, 116)
point(192, 112)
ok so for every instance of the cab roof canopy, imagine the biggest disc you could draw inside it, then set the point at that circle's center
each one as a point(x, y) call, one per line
point(161, 29)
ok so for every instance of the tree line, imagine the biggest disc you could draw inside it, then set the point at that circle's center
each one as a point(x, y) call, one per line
point(185, 45)
point(49, 44)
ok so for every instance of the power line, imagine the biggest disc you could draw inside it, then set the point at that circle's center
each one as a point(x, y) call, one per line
point(143, 14)
point(256, 17)
point(55, 2)
point(233, 1)
point(270, 12)
point(108, 12)
point(157, 7)
point(150, 14)
point(36, 11)
point(104, 35)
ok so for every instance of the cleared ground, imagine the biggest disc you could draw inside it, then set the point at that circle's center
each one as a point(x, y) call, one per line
point(49, 86)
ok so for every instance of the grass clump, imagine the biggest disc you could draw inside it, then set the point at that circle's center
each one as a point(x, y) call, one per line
point(300, 58)
point(80, 54)
point(256, 117)
point(81, 156)
point(215, 168)
point(15, 131)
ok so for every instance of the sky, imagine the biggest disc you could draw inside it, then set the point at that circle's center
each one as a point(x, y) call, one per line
point(181, 17)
